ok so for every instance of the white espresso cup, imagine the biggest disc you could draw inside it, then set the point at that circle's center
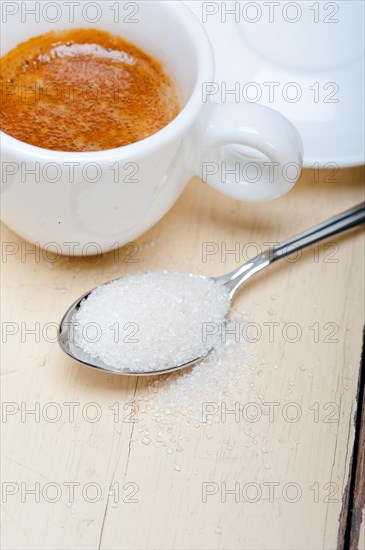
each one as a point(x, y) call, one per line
point(90, 202)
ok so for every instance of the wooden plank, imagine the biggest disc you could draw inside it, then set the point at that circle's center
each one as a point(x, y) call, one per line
point(319, 373)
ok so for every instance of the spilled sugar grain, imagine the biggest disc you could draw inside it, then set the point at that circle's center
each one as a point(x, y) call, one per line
point(214, 380)
point(151, 321)
point(170, 409)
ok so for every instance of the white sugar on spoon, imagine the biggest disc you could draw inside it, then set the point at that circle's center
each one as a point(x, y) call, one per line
point(150, 321)
point(166, 312)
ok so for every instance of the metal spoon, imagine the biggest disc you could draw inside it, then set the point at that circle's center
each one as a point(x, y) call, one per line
point(233, 282)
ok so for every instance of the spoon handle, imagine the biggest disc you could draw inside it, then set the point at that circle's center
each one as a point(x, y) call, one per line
point(337, 224)
point(346, 220)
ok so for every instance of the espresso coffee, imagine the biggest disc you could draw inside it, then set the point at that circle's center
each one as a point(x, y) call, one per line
point(84, 90)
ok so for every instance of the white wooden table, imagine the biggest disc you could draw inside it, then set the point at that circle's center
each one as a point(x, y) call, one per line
point(130, 495)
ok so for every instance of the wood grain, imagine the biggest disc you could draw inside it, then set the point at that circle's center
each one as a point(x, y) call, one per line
point(323, 290)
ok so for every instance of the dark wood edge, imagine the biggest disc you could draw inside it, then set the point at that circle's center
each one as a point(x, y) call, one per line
point(353, 500)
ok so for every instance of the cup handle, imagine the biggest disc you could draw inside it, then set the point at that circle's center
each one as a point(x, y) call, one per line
point(249, 152)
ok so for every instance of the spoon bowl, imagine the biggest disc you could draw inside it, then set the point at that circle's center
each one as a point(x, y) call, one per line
point(67, 343)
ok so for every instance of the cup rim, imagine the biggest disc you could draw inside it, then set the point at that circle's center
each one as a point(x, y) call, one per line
point(205, 71)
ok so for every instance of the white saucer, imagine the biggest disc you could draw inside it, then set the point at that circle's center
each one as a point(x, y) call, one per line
point(332, 132)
